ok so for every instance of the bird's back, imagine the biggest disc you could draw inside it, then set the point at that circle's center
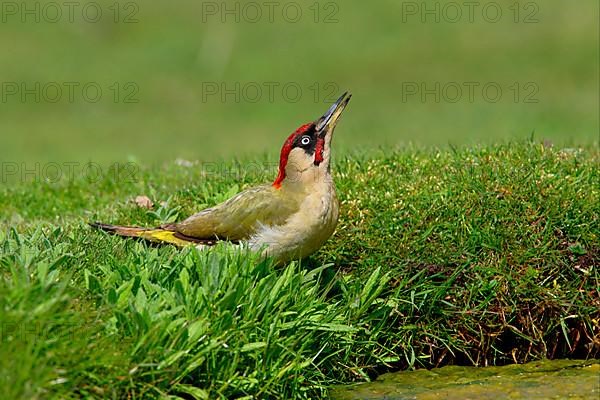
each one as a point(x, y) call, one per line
point(239, 217)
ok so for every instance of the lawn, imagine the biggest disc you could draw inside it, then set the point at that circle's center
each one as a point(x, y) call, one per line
point(480, 255)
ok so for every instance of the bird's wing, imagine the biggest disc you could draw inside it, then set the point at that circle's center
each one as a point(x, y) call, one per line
point(239, 217)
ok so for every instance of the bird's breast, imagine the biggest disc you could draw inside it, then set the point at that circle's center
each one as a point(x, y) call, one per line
point(304, 231)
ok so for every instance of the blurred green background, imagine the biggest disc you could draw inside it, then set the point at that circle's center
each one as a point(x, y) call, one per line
point(168, 57)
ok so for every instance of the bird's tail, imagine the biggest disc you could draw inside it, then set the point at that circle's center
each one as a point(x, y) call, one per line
point(162, 235)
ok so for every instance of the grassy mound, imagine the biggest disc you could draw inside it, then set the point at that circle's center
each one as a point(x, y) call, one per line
point(474, 256)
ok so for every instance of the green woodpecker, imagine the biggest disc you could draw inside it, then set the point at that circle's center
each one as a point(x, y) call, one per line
point(288, 219)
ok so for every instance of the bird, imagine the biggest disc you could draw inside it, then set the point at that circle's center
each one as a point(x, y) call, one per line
point(288, 219)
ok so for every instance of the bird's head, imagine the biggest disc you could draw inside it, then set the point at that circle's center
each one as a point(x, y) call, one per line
point(306, 153)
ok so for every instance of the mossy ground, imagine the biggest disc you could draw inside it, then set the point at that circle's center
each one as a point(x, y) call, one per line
point(476, 256)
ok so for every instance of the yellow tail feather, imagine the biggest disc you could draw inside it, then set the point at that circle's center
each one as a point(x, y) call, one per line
point(163, 236)
point(155, 235)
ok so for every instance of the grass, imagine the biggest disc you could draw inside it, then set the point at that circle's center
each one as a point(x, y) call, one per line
point(477, 255)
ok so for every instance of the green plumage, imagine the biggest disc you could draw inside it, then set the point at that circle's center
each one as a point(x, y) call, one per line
point(239, 217)
point(234, 220)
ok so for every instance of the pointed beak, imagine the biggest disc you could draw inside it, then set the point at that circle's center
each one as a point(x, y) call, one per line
point(328, 121)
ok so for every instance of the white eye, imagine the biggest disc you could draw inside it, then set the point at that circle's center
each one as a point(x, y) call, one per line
point(305, 140)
